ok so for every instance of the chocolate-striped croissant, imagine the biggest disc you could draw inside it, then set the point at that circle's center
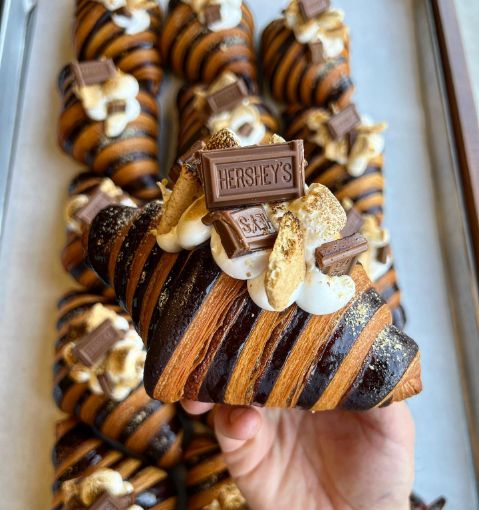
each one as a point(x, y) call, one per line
point(208, 341)
point(293, 75)
point(128, 36)
point(365, 191)
point(87, 469)
point(198, 53)
point(88, 193)
point(209, 485)
point(123, 413)
point(130, 158)
point(197, 123)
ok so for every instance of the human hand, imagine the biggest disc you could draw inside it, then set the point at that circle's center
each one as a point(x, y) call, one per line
point(336, 460)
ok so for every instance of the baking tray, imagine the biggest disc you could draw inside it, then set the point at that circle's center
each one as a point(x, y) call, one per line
point(398, 50)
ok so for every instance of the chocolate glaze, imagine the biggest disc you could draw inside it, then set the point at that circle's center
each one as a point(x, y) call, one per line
point(191, 287)
point(339, 345)
point(274, 364)
point(380, 373)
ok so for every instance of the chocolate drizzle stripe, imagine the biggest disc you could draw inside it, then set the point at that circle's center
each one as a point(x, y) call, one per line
point(338, 346)
point(381, 373)
point(214, 384)
point(191, 278)
point(194, 293)
point(271, 371)
point(144, 222)
point(134, 426)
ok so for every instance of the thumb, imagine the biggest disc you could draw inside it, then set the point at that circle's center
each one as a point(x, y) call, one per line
point(245, 435)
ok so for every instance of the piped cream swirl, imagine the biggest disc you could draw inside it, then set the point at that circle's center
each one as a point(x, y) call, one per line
point(230, 12)
point(123, 363)
point(327, 28)
point(369, 142)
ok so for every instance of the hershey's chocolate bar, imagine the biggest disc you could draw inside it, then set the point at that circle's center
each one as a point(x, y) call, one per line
point(227, 98)
point(311, 8)
point(93, 72)
point(212, 13)
point(354, 222)
point(93, 346)
point(344, 121)
point(252, 175)
point(338, 258)
point(96, 202)
point(243, 231)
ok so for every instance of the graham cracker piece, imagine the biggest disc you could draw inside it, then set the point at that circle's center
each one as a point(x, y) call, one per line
point(185, 191)
point(286, 267)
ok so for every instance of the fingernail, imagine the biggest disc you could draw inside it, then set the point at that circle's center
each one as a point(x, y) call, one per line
point(237, 414)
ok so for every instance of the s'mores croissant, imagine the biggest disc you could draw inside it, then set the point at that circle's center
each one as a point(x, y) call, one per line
point(202, 39)
point(271, 311)
point(91, 474)
point(98, 377)
point(110, 124)
point(351, 166)
point(305, 55)
point(209, 485)
point(88, 194)
point(226, 103)
point(126, 31)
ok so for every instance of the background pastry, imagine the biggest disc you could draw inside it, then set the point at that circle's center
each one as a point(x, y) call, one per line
point(226, 103)
point(305, 55)
point(89, 472)
point(88, 194)
point(209, 485)
point(351, 166)
point(111, 125)
point(98, 377)
point(203, 38)
point(126, 31)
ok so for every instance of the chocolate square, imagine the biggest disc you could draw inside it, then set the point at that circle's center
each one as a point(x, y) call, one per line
point(243, 231)
point(338, 258)
point(246, 129)
point(92, 347)
point(227, 98)
point(316, 53)
point(93, 72)
point(354, 222)
point(312, 8)
point(343, 122)
point(244, 176)
point(96, 202)
point(116, 106)
point(383, 254)
point(212, 14)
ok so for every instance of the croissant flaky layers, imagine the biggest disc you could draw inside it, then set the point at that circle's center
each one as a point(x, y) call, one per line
point(206, 339)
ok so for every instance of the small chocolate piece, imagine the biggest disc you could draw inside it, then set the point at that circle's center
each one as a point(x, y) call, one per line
point(354, 222)
point(343, 122)
point(312, 8)
point(227, 98)
point(106, 385)
point(338, 258)
point(212, 14)
point(189, 157)
point(251, 175)
point(246, 129)
point(383, 254)
point(242, 231)
point(109, 502)
point(117, 106)
point(316, 53)
point(93, 72)
point(96, 202)
point(124, 11)
point(93, 346)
